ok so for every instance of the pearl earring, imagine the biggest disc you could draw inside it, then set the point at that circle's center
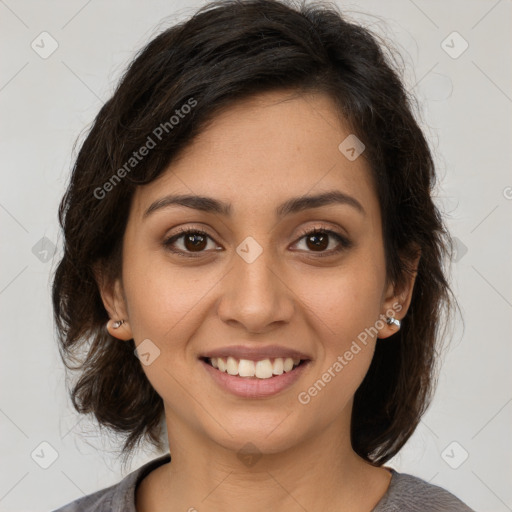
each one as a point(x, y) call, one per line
point(117, 324)
point(390, 320)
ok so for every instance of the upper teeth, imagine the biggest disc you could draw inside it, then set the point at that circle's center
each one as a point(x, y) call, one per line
point(263, 369)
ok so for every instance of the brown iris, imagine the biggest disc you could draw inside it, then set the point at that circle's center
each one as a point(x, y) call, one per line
point(316, 245)
point(197, 242)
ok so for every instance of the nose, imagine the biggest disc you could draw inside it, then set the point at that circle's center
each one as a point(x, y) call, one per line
point(255, 295)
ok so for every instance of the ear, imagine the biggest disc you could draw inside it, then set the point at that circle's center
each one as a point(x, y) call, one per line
point(114, 300)
point(397, 298)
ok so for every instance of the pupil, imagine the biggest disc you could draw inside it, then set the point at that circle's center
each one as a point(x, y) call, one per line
point(316, 245)
point(194, 240)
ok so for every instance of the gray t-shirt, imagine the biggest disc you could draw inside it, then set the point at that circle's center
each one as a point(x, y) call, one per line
point(406, 493)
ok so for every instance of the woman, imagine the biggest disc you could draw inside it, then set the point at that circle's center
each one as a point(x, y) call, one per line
point(252, 250)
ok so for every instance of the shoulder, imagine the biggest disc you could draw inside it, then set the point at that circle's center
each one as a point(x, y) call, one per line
point(411, 493)
point(116, 498)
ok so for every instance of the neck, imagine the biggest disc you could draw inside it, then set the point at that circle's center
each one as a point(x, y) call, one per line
point(320, 473)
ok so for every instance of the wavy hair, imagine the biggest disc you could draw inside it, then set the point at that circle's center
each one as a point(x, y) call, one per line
point(229, 51)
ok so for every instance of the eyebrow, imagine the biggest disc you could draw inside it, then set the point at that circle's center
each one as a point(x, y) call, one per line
point(291, 206)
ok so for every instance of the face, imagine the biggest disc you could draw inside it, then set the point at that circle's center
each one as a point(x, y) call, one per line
point(254, 277)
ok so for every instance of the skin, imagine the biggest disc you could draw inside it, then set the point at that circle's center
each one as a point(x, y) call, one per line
point(256, 155)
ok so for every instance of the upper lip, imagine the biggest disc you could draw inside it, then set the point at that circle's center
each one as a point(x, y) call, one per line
point(256, 353)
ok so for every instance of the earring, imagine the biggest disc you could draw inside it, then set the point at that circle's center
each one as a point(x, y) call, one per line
point(117, 324)
point(390, 320)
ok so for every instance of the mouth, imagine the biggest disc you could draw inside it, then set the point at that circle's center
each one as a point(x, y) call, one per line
point(254, 379)
point(268, 368)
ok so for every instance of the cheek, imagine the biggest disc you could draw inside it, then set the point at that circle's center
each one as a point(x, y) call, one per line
point(344, 308)
point(344, 301)
point(164, 301)
point(166, 306)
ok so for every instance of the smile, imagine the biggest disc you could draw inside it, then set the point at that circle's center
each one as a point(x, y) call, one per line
point(262, 369)
point(243, 381)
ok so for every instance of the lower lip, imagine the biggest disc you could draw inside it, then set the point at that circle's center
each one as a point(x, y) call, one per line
point(253, 387)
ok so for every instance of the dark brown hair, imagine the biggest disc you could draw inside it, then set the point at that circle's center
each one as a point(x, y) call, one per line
point(228, 51)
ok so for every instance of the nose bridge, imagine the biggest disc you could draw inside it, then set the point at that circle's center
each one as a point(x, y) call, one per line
point(254, 294)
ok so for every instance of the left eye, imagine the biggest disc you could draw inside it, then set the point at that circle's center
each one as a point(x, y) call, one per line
point(317, 240)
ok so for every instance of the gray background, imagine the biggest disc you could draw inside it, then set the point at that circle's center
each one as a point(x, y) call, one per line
point(466, 105)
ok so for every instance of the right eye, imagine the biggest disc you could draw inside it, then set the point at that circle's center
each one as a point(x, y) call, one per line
point(192, 240)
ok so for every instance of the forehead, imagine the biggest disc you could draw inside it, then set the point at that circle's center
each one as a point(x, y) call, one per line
point(263, 150)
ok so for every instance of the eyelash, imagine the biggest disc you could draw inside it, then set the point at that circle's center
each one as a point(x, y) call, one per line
point(344, 243)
